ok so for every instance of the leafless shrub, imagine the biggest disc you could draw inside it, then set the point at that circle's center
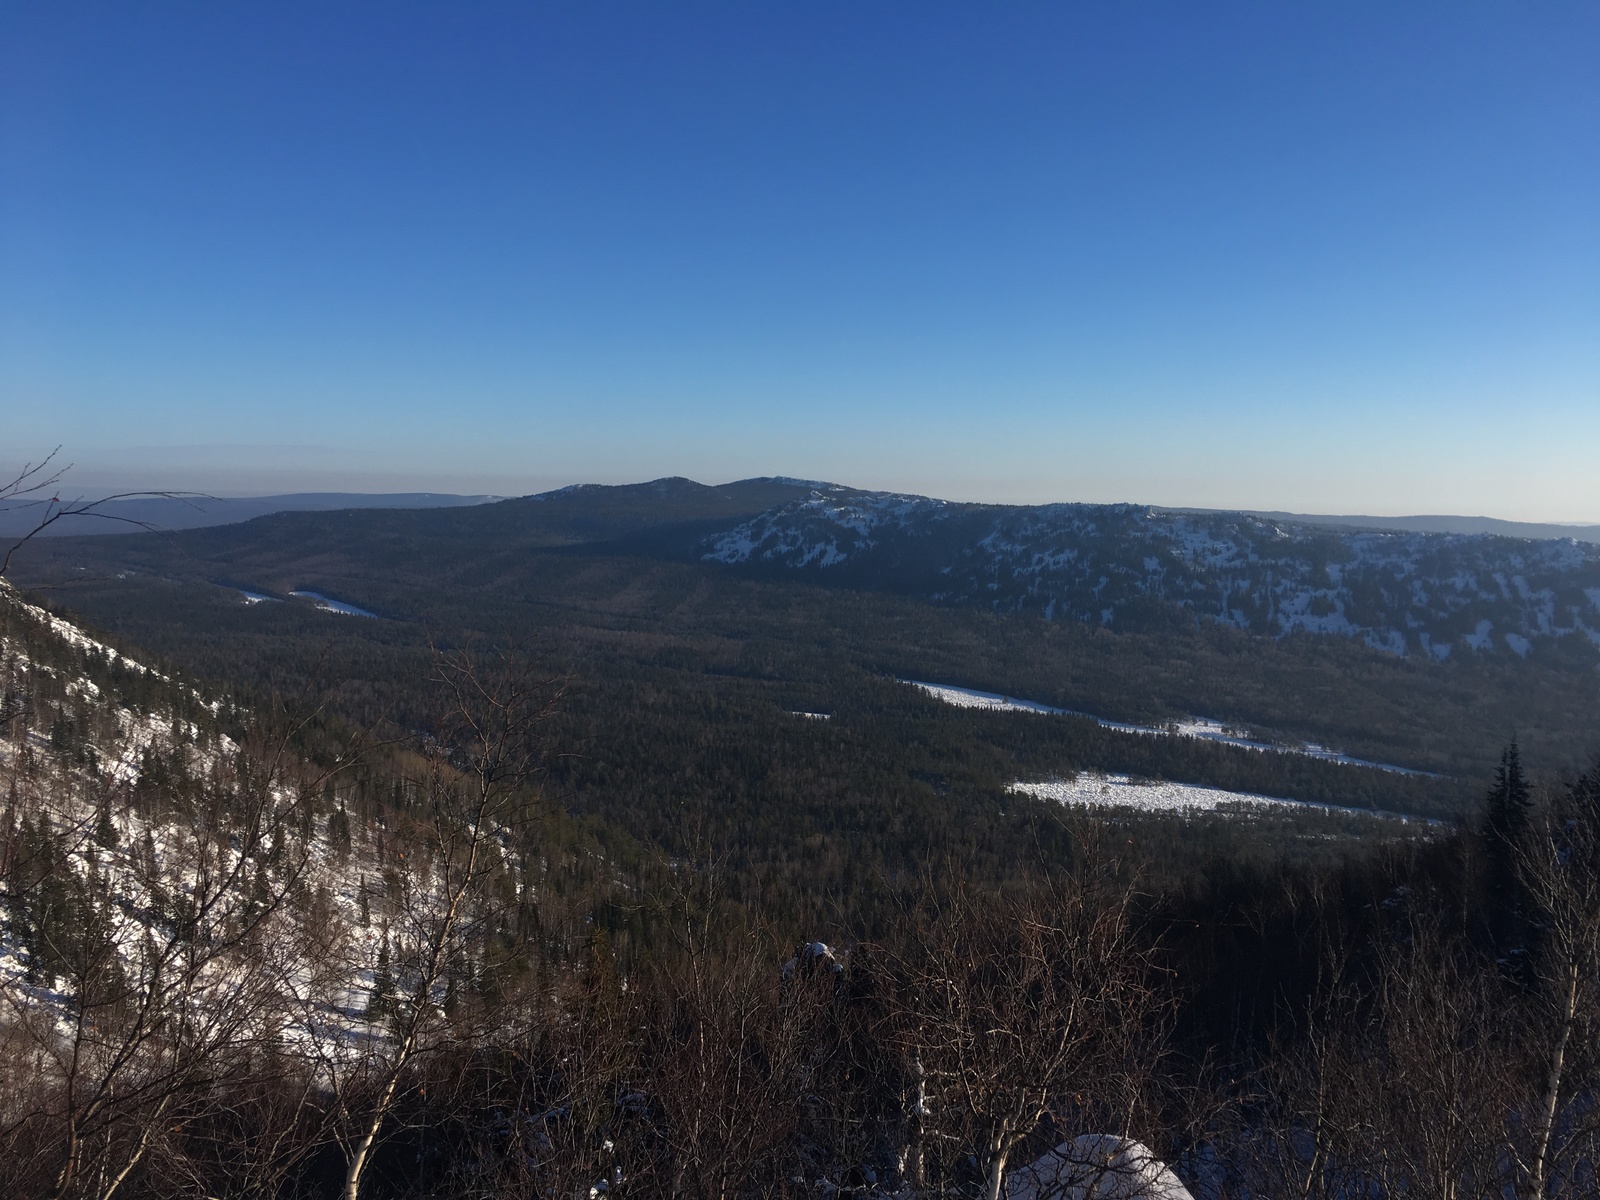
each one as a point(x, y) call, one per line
point(1559, 869)
point(36, 489)
point(448, 876)
point(1021, 1015)
point(160, 973)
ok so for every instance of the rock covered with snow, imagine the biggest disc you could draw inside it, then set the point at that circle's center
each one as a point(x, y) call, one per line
point(812, 958)
point(1096, 1166)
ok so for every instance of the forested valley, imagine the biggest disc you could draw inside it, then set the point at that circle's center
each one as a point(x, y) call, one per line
point(576, 871)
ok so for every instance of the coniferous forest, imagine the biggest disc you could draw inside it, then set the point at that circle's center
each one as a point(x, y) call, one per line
point(799, 601)
point(577, 871)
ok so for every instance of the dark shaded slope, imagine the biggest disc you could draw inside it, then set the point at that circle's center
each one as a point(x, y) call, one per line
point(287, 550)
point(197, 512)
point(638, 609)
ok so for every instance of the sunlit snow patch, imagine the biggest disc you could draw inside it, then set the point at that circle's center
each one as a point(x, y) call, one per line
point(1203, 728)
point(970, 698)
point(1121, 791)
point(333, 606)
point(255, 597)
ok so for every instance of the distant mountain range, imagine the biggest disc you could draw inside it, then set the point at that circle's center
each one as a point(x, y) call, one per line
point(1465, 586)
point(1429, 524)
point(790, 586)
point(198, 512)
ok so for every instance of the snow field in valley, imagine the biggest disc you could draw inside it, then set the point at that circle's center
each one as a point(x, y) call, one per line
point(1090, 790)
point(1203, 728)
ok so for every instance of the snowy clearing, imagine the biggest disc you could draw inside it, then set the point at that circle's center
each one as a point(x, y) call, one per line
point(1122, 791)
point(1203, 728)
point(333, 606)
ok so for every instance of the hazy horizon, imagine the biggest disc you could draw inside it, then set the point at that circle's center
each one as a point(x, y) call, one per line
point(114, 483)
point(1320, 258)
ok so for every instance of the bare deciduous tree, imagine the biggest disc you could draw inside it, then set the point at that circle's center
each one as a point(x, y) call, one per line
point(1559, 868)
point(1304, 1120)
point(1035, 1009)
point(163, 972)
point(1435, 1071)
point(471, 809)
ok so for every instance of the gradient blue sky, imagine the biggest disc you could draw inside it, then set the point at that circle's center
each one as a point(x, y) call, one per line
point(1331, 257)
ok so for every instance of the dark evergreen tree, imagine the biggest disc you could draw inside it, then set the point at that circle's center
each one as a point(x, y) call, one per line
point(339, 830)
point(1586, 793)
point(1505, 825)
point(380, 1003)
point(1509, 801)
point(105, 830)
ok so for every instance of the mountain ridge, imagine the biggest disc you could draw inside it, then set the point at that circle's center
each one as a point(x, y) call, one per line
point(202, 511)
point(1424, 523)
point(140, 513)
point(1119, 566)
point(1404, 592)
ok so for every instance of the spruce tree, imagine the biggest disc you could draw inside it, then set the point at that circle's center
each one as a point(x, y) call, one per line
point(380, 1002)
point(105, 829)
point(339, 830)
point(1505, 824)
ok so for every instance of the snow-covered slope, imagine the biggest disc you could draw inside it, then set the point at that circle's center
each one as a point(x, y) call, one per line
point(137, 836)
point(1117, 565)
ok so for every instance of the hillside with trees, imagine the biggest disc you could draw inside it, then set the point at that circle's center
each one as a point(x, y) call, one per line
point(505, 851)
point(257, 950)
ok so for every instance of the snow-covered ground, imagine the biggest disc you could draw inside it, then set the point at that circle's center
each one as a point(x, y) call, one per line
point(70, 633)
point(1121, 791)
point(1203, 728)
point(971, 698)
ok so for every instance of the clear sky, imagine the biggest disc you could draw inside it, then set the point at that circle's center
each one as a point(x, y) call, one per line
point(1315, 256)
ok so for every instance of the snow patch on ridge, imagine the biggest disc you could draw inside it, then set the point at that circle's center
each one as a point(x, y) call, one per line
point(1107, 563)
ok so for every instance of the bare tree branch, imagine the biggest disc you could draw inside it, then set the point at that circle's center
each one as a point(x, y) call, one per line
point(36, 478)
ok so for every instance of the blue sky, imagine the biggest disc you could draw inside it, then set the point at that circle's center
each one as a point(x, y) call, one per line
point(1330, 257)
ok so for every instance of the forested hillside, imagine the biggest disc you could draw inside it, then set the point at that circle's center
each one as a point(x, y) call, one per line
point(252, 947)
point(612, 582)
point(739, 910)
point(1433, 594)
